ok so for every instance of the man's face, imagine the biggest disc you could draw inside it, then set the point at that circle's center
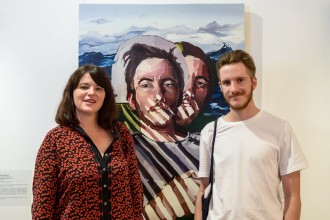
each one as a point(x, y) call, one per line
point(195, 92)
point(237, 85)
point(156, 92)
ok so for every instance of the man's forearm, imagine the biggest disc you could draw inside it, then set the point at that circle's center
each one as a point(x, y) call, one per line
point(198, 206)
point(292, 209)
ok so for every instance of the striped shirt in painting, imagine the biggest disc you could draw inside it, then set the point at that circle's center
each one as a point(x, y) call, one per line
point(169, 175)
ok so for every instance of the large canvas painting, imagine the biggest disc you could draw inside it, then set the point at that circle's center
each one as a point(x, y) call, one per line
point(161, 62)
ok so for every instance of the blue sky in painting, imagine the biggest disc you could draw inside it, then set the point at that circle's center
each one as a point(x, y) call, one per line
point(103, 26)
point(120, 17)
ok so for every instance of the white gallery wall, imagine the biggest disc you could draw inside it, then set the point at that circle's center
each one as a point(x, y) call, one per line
point(289, 40)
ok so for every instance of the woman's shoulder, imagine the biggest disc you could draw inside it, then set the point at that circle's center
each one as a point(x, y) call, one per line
point(121, 126)
point(59, 130)
point(119, 123)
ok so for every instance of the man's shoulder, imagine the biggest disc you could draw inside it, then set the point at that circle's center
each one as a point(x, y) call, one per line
point(271, 117)
point(209, 126)
point(272, 123)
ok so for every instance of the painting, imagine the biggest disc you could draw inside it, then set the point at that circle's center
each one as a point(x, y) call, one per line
point(161, 59)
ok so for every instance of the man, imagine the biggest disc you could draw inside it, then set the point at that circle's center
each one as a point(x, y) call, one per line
point(254, 152)
point(167, 160)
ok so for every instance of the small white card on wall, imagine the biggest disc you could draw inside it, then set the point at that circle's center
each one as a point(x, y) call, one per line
point(15, 187)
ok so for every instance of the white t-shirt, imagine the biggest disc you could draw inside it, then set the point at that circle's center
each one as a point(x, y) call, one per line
point(250, 156)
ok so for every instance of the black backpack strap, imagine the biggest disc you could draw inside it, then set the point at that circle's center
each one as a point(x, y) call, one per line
point(212, 156)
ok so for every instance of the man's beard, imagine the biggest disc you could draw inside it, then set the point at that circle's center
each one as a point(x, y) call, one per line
point(241, 107)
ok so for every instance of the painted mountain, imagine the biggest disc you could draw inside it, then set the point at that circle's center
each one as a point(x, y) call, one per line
point(209, 37)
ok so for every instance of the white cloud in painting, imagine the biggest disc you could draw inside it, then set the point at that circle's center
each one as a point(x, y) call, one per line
point(209, 37)
point(101, 21)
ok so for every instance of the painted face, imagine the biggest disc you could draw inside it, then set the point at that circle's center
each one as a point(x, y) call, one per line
point(88, 96)
point(156, 92)
point(237, 85)
point(195, 92)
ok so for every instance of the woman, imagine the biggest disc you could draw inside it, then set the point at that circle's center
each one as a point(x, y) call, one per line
point(86, 167)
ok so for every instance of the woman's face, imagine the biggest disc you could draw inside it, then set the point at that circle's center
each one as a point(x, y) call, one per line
point(88, 97)
point(195, 91)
